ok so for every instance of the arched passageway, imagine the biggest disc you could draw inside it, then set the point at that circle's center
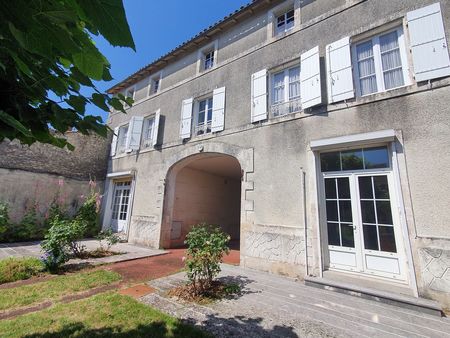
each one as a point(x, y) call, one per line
point(206, 188)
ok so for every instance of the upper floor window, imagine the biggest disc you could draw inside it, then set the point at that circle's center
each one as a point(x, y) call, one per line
point(130, 92)
point(147, 131)
point(209, 60)
point(122, 139)
point(380, 63)
point(203, 116)
point(285, 21)
point(285, 91)
point(155, 84)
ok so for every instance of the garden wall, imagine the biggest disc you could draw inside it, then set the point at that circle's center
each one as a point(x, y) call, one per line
point(35, 174)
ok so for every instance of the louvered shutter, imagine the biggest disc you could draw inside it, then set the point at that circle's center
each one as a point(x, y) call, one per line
point(310, 78)
point(186, 118)
point(155, 130)
point(134, 133)
point(259, 96)
point(218, 110)
point(428, 44)
point(339, 71)
point(114, 141)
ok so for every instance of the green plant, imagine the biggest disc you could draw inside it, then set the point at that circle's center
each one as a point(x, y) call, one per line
point(14, 269)
point(207, 244)
point(88, 213)
point(61, 240)
point(29, 227)
point(109, 237)
point(4, 218)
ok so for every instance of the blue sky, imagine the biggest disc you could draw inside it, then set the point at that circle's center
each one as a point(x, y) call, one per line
point(157, 27)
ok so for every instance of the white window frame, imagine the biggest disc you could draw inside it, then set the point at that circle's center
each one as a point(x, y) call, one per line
point(274, 13)
point(379, 74)
point(286, 82)
point(203, 128)
point(202, 54)
point(151, 85)
point(147, 137)
point(209, 60)
point(130, 89)
point(284, 29)
point(122, 135)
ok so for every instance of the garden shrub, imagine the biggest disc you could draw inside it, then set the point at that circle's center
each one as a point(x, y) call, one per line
point(4, 218)
point(109, 237)
point(14, 269)
point(207, 244)
point(89, 211)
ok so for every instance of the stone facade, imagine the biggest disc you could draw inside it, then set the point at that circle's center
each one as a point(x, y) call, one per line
point(282, 223)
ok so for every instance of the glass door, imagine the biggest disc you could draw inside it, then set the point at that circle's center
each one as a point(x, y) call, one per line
point(120, 203)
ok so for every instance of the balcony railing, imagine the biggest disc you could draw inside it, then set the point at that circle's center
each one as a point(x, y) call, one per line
point(202, 128)
point(284, 108)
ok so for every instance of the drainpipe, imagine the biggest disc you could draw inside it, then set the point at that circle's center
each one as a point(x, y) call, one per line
point(303, 180)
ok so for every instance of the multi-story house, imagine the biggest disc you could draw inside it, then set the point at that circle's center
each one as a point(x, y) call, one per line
point(316, 133)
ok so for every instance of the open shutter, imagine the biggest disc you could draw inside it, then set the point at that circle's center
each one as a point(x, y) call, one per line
point(339, 71)
point(428, 44)
point(134, 133)
point(259, 96)
point(155, 130)
point(218, 110)
point(186, 118)
point(114, 141)
point(310, 78)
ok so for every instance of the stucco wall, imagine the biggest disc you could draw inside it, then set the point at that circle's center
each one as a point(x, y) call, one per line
point(276, 207)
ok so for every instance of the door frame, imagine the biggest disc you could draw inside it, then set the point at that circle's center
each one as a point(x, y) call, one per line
point(393, 139)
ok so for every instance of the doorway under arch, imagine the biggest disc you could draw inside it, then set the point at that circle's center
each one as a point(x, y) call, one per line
point(201, 188)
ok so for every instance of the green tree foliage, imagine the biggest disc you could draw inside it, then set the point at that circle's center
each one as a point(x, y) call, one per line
point(46, 48)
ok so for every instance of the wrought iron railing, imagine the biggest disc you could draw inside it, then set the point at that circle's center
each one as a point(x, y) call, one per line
point(284, 108)
point(202, 128)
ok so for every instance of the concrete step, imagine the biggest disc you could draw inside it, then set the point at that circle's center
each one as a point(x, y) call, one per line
point(396, 299)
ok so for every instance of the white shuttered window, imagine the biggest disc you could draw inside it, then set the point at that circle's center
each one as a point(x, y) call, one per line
point(259, 96)
point(285, 92)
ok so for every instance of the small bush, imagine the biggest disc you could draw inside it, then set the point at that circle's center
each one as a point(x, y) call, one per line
point(207, 244)
point(109, 237)
point(89, 211)
point(4, 218)
point(14, 269)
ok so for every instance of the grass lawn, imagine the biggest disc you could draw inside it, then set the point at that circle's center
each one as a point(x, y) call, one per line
point(54, 289)
point(104, 315)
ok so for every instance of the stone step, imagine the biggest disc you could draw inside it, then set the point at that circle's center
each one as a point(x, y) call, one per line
point(412, 303)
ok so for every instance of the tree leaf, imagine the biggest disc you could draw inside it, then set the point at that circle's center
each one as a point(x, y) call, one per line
point(89, 64)
point(78, 103)
point(11, 121)
point(99, 101)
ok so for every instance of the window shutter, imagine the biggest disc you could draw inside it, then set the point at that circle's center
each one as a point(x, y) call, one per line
point(114, 141)
point(339, 71)
point(310, 78)
point(428, 43)
point(134, 133)
point(218, 110)
point(156, 128)
point(186, 118)
point(259, 96)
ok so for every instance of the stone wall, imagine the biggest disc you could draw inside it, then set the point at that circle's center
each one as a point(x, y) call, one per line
point(37, 173)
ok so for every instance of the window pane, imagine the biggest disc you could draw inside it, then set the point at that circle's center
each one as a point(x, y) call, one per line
point(384, 213)
point(294, 83)
point(376, 158)
point(367, 212)
point(280, 21)
point(202, 105)
point(387, 239)
point(333, 234)
point(278, 87)
point(381, 187)
point(391, 60)
point(343, 187)
point(366, 68)
point(330, 188)
point(370, 237)
point(347, 236)
point(365, 187)
point(330, 161)
point(345, 211)
point(332, 214)
point(352, 160)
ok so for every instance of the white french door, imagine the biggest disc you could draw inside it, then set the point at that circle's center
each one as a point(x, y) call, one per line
point(362, 220)
point(120, 205)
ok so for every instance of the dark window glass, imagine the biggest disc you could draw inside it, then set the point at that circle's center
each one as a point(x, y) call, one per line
point(370, 237)
point(330, 161)
point(330, 188)
point(384, 212)
point(376, 158)
point(365, 187)
point(332, 214)
point(345, 211)
point(352, 160)
point(387, 239)
point(343, 187)
point(333, 234)
point(347, 236)
point(368, 212)
point(381, 187)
